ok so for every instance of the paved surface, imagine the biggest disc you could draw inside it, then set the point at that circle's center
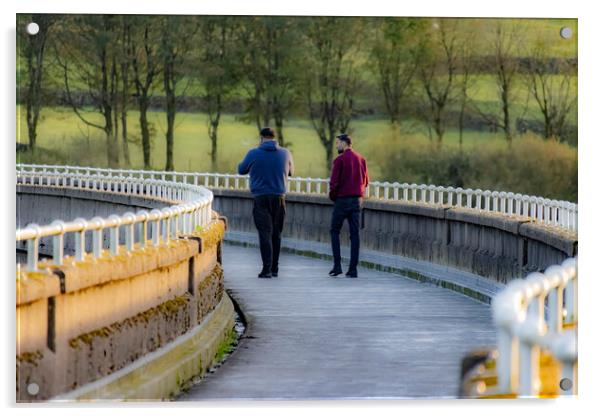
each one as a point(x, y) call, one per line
point(314, 337)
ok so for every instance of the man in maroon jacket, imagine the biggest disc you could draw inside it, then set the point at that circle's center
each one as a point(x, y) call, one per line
point(348, 181)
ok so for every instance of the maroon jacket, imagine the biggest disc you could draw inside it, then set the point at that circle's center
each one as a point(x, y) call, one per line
point(349, 175)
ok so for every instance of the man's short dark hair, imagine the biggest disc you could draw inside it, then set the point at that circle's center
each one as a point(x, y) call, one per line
point(345, 137)
point(267, 132)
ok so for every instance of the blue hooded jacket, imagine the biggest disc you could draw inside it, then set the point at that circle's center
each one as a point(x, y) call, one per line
point(268, 166)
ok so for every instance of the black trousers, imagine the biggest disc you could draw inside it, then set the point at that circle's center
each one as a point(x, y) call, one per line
point(346, 208)
point(268, 214)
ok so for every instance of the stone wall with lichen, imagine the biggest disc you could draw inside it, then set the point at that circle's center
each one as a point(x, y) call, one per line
point(83, 321)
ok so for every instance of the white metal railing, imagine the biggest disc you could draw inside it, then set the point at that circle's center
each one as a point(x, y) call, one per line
point(191, 208)
point(525, 328)
point(562, 214)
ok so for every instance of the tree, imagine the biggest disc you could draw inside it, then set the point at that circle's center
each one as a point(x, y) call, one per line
point(124, 59)
point(145, 60)
point(395, 60)
point(437, 73)
point(504, 64)
point(465, 79)
point(218, 73)
point(86, 52)
point(552, 83)
point(271, 64)
point(33, 50)
point(331, 76)
point(176, 42)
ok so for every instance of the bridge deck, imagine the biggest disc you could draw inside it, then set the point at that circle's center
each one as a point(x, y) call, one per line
point(315, 337)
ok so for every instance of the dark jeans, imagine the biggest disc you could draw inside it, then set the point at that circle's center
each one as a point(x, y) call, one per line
point(346, 208)
point(268, 214)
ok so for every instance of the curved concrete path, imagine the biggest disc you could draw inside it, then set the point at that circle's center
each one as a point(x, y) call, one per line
point(315, 337)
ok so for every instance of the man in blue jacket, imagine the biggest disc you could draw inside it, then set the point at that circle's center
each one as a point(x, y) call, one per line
point(268, 166)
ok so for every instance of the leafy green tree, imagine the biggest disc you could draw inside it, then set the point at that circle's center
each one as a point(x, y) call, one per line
point(331, 76)
point(145, 57)
point(218, 70)
point(438, 68)
point(271, 66)
point(176, 43)
point(395, 56)
point(86, 51)
point(505, 44)
point(33, 51)
point(553, 86)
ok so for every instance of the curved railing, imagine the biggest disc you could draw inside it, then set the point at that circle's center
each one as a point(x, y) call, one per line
point(191, 208)
point(525, 328)
point(561, 214)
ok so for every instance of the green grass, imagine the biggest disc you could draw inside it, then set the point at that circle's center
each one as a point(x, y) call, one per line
point(531, 31)
point(64, 139)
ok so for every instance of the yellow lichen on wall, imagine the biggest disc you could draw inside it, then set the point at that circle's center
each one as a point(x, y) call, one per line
point(212, 234)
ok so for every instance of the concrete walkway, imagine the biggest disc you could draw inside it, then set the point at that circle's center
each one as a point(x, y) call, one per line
point(315, 337)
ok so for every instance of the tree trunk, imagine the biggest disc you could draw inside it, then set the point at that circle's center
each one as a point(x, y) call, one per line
point(35, 47)
point(107, 109)
point(278, 119)
point(124, 125)
point(170, 102)
point(144, 130)
point(213, 137)
point(461, 124)
point(169, 164)
point(506, 109)
point(329, 157)
point(124, 97)
point(115, 103)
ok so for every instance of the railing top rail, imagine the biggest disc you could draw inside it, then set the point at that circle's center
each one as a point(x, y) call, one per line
point(197, 197)
point(495, 193)
point(558, 213)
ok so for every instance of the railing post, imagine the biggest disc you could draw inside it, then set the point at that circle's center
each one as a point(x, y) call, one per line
point(33, 249)
point(166, 225)
point(529, 378)
point(570, 301)
point(114, 235)
point(487, 195)
point(533, 203)
point(396, 191)
point(175, 229)
point(441, 194)
point(97, 237)
point(155, 228)
point(129, 231)
point(58, 243)
point(423, 193)
point(431, 194)
point(450, 196)
point(469, 193)
point(507, 361)
point(143, 229)
point(479, 196)
point(80, 240)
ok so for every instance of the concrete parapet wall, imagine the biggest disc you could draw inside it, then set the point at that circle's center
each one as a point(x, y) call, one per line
point(80, 322)
point(491, 245)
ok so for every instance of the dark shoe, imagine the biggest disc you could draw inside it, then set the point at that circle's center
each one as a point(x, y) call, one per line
point(275, 272)
point(335, 272)
point(265, 274)
point(351, 274)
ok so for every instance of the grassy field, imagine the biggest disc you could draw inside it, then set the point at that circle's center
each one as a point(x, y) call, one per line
point(62, 138)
